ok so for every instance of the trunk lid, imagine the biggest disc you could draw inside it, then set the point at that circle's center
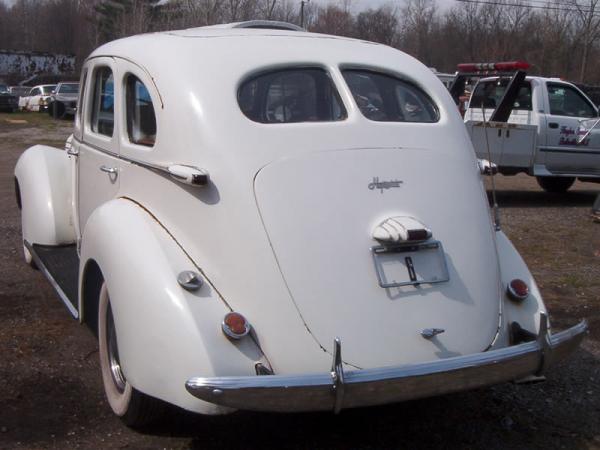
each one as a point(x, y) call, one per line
point(320, 211)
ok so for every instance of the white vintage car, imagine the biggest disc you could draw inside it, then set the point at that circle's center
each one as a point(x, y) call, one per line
point(37, 99)
point(255, 217)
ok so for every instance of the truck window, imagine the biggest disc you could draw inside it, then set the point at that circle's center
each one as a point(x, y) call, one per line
point(385, 98)
point(291, 95)
point(488, 94)
point(566, 101)
point(141, 120)
point(103, 107)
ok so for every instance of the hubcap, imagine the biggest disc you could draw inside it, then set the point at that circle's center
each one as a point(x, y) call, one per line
point(113, 353)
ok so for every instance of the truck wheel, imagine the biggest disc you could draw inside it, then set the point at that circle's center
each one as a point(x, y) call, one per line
point(60, 110)
point(555, 184)
point(134, 408)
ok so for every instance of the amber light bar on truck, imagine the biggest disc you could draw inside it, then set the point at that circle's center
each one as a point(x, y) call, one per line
point(509, 66)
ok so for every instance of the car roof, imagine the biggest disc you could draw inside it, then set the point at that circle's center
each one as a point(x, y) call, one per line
point(137, 46)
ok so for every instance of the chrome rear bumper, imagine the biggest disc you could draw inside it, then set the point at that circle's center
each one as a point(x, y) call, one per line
point(337, 389)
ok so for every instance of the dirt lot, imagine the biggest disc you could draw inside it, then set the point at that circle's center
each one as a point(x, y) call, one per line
point(50, 387)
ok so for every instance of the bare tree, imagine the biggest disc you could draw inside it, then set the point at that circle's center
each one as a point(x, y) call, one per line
point(419, 16)
point(588, 27)
point(379, 25)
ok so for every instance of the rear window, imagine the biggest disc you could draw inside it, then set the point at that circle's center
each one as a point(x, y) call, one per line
point(489, 93)
point(385, 98)
point(291, 96)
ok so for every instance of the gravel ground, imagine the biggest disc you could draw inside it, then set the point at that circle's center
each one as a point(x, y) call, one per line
point(51, 393)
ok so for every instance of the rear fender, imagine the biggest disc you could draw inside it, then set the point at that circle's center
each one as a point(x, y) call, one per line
point(44, 182)
point(166, 334)
point(527, 312)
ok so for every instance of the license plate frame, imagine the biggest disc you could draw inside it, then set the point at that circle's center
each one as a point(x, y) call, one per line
point(411, 257)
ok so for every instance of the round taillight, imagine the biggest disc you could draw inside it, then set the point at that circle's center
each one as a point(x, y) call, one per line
point(517, 290)
point(235, 325)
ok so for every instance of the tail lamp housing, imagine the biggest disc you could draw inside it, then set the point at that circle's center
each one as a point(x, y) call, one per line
point(235, 326)
point(517, 290)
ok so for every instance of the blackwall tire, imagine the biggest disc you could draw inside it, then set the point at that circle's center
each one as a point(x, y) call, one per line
point(133, 407)
point(555, 185)
point(60, 110)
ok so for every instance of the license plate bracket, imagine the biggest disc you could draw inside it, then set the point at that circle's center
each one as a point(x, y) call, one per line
point(410, 264)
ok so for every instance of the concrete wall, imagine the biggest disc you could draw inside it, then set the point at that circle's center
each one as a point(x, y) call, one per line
point(30, 63)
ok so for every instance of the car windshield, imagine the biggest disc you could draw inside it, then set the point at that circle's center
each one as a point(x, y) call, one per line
point(488, 94)
point(3, 88)
point(47, 90)
point(384, 98)
point(71, 88)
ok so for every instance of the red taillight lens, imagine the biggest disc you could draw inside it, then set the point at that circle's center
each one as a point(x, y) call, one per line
point(517, 290)
point(235, 325)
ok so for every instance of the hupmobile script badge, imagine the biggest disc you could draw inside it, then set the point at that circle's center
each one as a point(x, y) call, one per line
point(381, 185)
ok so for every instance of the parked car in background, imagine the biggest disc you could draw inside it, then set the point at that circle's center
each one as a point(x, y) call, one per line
point(254, 217)
point(63, 101)
point(8, 101)
point(38, 98)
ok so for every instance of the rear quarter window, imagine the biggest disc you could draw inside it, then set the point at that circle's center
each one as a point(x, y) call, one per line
point(291, 96)
point(385, 98)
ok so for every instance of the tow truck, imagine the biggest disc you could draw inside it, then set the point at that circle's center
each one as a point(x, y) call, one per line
point(545, 127)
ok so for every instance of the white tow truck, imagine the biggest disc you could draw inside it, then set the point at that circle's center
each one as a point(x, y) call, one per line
point(545, 127)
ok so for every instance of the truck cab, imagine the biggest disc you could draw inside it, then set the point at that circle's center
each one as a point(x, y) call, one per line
point(551, 130)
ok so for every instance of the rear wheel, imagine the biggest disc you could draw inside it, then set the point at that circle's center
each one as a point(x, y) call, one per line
point(555, 184)
point(134, 408)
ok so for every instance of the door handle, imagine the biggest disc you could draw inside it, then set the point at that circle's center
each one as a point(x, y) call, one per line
point(552, 125)
point(109, 170)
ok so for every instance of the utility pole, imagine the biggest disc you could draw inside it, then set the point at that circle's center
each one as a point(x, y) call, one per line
point(302, 3)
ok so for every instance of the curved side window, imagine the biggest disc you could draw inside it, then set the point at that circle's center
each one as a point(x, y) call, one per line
point(103, 110)
point(81, 97)
point(384, 98)
point(291, 95)
point(141, 120)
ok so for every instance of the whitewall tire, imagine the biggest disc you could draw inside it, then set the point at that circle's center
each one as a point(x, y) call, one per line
point(133, 407)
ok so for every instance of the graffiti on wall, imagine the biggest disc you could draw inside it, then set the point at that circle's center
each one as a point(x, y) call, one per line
point(32, 63)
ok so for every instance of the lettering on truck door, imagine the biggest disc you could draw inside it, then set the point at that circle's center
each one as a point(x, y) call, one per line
point(568, 111)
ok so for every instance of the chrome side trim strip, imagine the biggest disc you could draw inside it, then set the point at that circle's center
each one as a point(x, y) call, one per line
point(137, 162)
point(568, 150)
point(318, 392)
point(48, 275)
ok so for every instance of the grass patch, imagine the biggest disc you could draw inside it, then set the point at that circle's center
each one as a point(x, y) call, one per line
point(42, 120)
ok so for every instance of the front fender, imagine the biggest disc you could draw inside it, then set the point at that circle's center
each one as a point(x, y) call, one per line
point(44, 181)
point(166, 334)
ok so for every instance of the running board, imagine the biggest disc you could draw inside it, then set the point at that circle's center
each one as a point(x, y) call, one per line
point(60, 264)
